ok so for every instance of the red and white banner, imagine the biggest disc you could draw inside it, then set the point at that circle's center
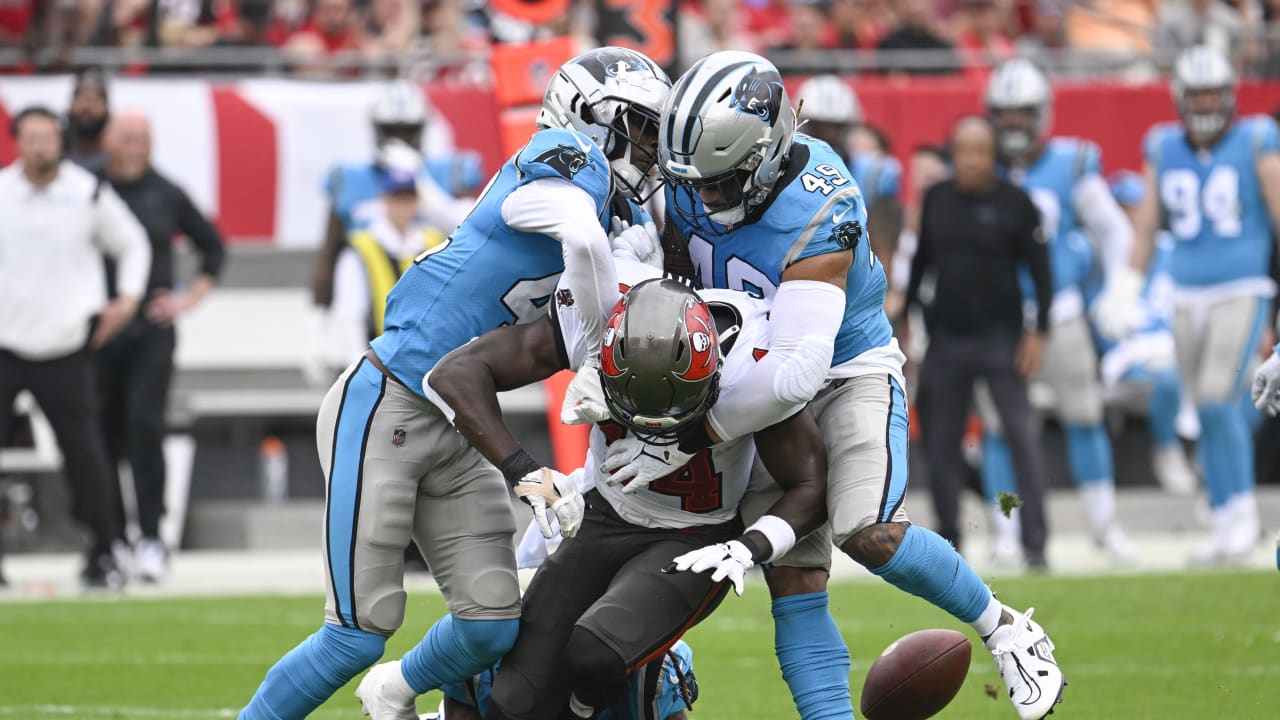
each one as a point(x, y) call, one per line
point(254, 153)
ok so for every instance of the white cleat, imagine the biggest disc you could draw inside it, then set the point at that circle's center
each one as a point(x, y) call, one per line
point(385, 695)
point(1245, 530)
point(153, 560)
point(1214, 550)
point(1119, 548)
point(1024, 655)
point(1173, 471)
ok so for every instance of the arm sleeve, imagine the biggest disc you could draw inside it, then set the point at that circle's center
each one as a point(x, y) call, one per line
point(1034, 250)
point(202, 233)
point(1106, 222)
point(120, 235)
point(803, 323)
point(562, 210)
point(350, 309)
point(441, 209)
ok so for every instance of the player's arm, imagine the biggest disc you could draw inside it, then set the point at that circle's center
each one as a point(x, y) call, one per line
point(1269, 181)
point(1116, 310)
point(795, 456)
point(326, 259)
point(1106, 222)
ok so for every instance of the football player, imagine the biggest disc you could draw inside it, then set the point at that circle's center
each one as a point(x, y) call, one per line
point(606, 603)
point(1213, 182)
point(395, 470)
point(773, 213)
point(1063, 177)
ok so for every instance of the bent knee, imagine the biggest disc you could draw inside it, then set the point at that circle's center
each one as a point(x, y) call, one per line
point(599, 674)
point(875, 545)
point(487, 640)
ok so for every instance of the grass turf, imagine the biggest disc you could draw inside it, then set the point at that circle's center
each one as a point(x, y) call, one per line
point(1188, 646)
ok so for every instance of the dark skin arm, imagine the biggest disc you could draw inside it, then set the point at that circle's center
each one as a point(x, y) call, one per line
point(326, 260)
point(794, 454)
point(470, 378)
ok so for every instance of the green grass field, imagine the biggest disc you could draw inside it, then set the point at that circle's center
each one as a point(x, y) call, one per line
point(1189, 646)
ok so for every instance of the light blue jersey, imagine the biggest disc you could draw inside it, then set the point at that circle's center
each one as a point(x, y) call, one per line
point(352, 185)
point(1211, 201)
point(816, 209)
point(487, 274)
point(878, 176)
point(1051, 181)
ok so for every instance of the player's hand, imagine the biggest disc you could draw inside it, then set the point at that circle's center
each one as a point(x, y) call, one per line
point(730, 561)
point(545, 488)
point(638, 242)
point(634, 463)
point(1030, 354)
point(584, 400)
point(1266, 386)
point(1116, 311)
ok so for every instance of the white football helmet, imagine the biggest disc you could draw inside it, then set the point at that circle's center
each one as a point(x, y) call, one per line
point(827, 98)
point(400, 112)
point(1203, 69)
point(1019, 85)
point(726, 133)
point(613, 96)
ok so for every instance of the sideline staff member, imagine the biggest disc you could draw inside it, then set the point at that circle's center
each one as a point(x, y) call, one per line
point(58, 221)
point(975, 231)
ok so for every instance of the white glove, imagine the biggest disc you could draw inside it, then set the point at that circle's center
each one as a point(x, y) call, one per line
point(638, 242)
point(731, 561)
point(546, 486)
point(584, 400)
point(1117, 312)
point(1266, 386)
point(631, 459)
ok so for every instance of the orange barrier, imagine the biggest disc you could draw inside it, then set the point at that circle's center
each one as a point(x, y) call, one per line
point(568, 442)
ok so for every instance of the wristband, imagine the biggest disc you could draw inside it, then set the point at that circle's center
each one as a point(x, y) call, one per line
point(696, 438)
point(753, 547)
point(782, 537)
point(519, 464)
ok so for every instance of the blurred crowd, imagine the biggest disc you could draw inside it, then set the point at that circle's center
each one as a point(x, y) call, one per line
point(1133, 38)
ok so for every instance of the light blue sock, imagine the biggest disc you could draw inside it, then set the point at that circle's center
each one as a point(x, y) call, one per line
point(997, 467)
point(1162, 409)
point(814, 659)
point(928, 567)
point(1089, 453)
point(454, 650)
point(313, 671)
point(1226, 451)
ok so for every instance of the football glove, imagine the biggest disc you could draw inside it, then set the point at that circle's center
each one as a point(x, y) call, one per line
point(638, 242)
point(1116, 311)
point(634, 463)
point(545, 488)
point(584, 400)
point(730, 561)
point(1266, 386)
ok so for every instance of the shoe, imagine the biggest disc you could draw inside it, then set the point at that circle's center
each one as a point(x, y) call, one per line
point(152, 560)
point(101, 573)
point(437, 715)
point(1024, 655)
point(122, 552)
point(385, 695)
point(1213, 551)
point(1245, 530)
point(1173, 471)
point(1119, 548)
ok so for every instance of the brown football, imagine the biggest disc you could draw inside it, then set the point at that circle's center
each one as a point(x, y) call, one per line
point(917, 676)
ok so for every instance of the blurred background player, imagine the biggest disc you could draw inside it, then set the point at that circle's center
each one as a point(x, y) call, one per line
point(1213, 181)
point(87, 118)
point(1063, 177)
point(136, 366)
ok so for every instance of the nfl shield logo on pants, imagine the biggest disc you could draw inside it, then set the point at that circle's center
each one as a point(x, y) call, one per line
point(397, 437)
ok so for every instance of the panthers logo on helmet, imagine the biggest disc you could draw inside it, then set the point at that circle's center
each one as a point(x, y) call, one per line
point(847, 234)
point(565, 159)
point(705, 356)
point(759, 94)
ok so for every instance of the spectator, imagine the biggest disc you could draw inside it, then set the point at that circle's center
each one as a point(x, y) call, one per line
point(1181, 25)
point(981, 40)
point(860, 24)
point(390, 26)
point(811, 36)
point(87, 118)
point(136, 365)
point(710, 26)
point(916, 31)
point(249, 23)
point(332, 28)
point(122, 23)
point(58, 222)
point(185, 23)
point(975, 230)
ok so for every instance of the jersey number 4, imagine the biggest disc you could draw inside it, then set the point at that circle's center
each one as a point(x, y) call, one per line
point(1189, 205)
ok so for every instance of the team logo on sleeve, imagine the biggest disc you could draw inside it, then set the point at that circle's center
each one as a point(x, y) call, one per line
point(564, 297)
point(847, 234)
point(565, 159)
point(759, 94)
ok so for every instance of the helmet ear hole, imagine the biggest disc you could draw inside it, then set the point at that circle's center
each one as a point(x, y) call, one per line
point(679, 351)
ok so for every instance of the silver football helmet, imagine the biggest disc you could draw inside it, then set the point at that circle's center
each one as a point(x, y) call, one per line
point(613, 96)
point(1200, 71)
point(725, 136)
point(399, 113)
point(827, 98)
point(1020, 105)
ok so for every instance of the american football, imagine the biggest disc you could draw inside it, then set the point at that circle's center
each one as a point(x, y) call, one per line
point(915, 677)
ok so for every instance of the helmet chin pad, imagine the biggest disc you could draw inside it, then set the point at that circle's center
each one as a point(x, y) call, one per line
point(1015, 143)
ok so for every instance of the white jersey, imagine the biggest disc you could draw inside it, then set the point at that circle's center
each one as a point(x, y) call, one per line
point(708, 489)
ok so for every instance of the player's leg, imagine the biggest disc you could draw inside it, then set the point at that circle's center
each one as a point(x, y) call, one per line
point(864, 424)
point(811, 653)
point(370, 490)
point(12, 379)
point(1071, 369)
point(464, 525)
point(998, 478)
point(641, 615)
point(1233, 328)
point(1164, 402)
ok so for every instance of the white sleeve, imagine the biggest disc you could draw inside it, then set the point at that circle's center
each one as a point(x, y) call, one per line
point(350, 306)
point(1106, 222)
point(441, 209)
point(119, 234)
point(561, 210)
point(803, 323)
